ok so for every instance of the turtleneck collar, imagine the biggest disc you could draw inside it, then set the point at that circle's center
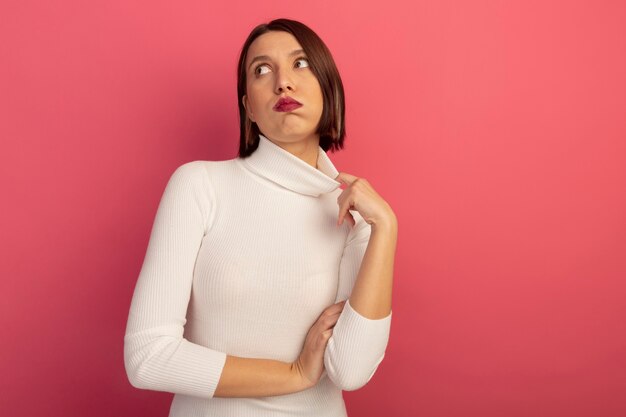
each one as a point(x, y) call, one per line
point(282, 167)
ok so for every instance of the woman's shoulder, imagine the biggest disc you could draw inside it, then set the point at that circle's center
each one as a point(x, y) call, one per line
point(201, 167)
point(199, 177)
point(211, 175)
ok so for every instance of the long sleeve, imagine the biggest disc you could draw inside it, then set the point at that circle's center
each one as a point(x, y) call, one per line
point(156, 356)
point(357, 345)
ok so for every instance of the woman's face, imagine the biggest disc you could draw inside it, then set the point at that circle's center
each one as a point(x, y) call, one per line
point(282, 71)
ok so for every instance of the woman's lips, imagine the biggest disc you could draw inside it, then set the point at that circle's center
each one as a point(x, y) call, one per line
point(285, 104)
point(288, 107)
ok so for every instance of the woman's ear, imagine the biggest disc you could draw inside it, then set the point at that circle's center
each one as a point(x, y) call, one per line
point(244, 101)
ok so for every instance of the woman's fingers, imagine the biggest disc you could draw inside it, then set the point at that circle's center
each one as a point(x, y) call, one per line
point(346, 198)
point(360, 196)
point(331, 314)
point(321, 343)
point(335, 308)
point(344, 210)
point(345, 178)
point(347, 215)
point(328, 319)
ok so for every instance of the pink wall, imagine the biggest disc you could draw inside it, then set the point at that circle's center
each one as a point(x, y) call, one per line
point(496, 130)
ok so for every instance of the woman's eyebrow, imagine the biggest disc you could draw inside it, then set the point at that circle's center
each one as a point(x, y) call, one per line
point(262, 57)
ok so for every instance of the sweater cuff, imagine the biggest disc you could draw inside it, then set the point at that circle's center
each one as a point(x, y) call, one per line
point(177, 366)
point(200, 371)
point(355, 315)
point(356, 348)
point(375, 330)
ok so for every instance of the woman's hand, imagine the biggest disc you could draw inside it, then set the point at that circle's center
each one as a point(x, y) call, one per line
point(310, 364)
point(359, 195)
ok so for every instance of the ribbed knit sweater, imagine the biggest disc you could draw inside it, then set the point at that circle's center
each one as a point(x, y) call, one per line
point(243, 257)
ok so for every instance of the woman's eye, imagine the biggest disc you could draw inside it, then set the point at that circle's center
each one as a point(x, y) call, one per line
point(305, 60)
point(257, 69)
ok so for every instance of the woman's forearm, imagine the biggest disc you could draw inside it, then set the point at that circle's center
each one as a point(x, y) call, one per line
point(371, 295)
point(250, 377)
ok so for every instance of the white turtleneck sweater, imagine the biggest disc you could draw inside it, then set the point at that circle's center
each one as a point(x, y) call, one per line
point(243, 257)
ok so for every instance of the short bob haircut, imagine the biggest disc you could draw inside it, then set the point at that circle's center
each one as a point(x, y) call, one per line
point(331, 127)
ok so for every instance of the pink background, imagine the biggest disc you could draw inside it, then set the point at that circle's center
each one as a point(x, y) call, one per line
point(496, 131)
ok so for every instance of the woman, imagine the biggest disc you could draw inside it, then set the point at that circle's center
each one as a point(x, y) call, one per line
point(256, 296)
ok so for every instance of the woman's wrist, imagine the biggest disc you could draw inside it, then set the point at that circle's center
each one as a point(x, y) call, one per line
point(256, 377)
point(300, 381)
point(386, 224)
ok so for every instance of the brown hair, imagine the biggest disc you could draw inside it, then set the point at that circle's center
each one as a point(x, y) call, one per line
point(331, 127)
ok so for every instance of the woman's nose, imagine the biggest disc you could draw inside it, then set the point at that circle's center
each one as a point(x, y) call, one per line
point(283, 82)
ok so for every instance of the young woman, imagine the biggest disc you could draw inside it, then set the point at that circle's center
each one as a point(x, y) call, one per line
point(266, 288)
